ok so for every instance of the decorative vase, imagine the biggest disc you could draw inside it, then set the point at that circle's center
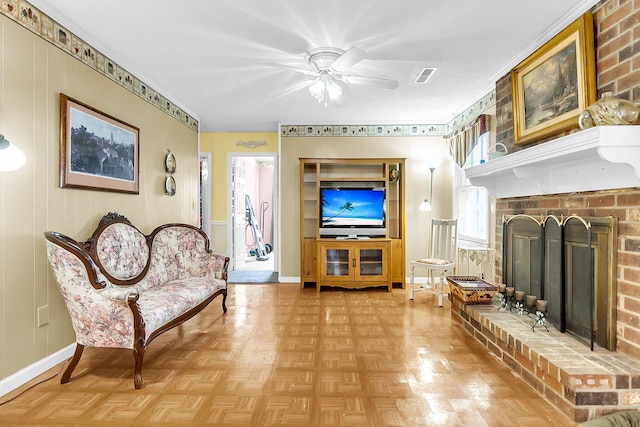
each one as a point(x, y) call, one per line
point(609, 111)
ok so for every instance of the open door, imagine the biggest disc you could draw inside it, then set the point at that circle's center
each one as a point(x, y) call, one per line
point(251, 220)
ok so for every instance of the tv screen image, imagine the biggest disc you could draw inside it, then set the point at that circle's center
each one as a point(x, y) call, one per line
point(352, 211)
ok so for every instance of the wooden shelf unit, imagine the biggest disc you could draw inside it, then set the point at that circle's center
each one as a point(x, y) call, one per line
point(316, 173)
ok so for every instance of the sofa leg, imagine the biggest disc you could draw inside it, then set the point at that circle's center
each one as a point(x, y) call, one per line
point(66, 375)
point(224, 301)
point(138, 355)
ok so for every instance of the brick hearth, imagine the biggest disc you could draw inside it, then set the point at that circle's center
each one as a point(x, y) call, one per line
point(581, 383)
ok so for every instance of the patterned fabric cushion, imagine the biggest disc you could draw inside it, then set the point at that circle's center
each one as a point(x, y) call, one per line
point(122, 251)
point(178, 253)
point(435, 261)
point(164, 303)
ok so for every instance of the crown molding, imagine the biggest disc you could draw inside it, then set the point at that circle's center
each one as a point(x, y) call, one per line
point(582, 7)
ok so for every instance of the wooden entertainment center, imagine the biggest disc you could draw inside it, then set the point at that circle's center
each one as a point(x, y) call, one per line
point(345, 260)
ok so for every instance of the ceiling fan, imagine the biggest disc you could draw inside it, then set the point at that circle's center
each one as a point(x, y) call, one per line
point(328, 65)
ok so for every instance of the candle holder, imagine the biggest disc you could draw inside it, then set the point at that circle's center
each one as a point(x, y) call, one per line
point(520, 307)
point(502, 297)
point(541, 310)
point(505, 296)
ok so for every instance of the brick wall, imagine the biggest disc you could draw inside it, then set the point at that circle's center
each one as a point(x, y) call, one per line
point(617, 46)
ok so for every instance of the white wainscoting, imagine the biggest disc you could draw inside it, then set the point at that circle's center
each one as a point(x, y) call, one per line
point(219, 243)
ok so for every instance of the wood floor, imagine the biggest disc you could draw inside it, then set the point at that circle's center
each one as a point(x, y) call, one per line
point(283, 356)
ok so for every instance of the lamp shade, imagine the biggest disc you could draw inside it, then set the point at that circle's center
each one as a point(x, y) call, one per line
point(333, 90)
point(325, 89)
point(425, 206)
point(11, 157)
point(317, 89)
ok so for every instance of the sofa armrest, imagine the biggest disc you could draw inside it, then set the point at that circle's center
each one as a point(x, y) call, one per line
point(116, 292)
point(99, 315)
point(216, 265)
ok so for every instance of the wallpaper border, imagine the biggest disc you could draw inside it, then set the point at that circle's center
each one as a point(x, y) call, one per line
point(31, 18)
point(397, 130)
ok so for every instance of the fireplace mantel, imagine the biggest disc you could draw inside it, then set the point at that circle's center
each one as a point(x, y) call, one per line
point(598, 158)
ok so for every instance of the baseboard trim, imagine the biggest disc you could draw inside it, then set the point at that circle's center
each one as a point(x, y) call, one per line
point(285, 279)
point(25, 375)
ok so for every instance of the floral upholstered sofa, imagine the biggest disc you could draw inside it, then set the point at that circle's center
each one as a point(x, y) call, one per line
point(122, 289)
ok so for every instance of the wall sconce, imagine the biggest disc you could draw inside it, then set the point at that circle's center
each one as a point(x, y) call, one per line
point(11, 157)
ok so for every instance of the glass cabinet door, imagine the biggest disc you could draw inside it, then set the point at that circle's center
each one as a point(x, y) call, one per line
point(371, 263)
point(337, 263)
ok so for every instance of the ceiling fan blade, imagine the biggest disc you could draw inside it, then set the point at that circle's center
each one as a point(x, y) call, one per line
point(348, 59)
point(371, 81)
point(305, 71)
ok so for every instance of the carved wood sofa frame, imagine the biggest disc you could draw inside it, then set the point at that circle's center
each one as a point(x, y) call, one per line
point(122, 288)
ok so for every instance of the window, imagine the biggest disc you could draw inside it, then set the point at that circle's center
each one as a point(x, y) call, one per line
point(473, 206)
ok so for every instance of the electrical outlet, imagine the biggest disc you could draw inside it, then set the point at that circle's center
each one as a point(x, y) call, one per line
point(43, 316)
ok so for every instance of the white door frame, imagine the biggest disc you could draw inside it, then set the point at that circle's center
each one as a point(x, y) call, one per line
point(276, 177)
point(206, 196)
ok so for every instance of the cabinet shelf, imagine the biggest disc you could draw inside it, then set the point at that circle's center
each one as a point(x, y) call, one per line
point(324, 172)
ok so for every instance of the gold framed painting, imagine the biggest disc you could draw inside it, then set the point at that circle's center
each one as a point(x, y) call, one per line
point(555, 84)
point(97, 151)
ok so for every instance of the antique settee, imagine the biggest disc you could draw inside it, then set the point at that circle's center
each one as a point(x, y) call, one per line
point(123, 288)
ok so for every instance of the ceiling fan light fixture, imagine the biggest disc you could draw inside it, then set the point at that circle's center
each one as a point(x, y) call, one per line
point(333, 90)
point(325, 89)
point(317, 90)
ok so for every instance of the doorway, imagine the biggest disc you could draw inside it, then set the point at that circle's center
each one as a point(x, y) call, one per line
point(251, 224)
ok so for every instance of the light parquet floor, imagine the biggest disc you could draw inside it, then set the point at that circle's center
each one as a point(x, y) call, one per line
point(282, 356)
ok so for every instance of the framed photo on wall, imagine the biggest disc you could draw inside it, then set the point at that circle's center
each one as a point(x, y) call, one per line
point(97, 151)
point(555, 84)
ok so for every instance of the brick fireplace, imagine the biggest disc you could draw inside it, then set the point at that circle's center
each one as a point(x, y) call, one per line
point(596, 180)
point(581, 383)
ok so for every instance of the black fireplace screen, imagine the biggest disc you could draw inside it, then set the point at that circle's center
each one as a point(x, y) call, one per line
point(571, 263)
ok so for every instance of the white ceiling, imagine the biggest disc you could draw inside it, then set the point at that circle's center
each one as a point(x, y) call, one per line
point(207, 55)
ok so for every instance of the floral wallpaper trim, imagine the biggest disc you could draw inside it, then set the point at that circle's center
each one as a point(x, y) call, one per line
point(468, 115)
point(40, 24)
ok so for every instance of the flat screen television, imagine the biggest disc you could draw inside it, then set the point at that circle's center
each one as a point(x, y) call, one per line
point(352, 212)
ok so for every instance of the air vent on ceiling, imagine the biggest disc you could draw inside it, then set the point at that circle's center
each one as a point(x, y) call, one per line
point(425, 75)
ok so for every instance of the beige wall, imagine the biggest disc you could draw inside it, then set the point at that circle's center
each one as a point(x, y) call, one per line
point(416, 150)
point(32, 75)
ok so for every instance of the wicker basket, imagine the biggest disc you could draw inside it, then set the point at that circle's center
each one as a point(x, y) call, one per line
point(472, 290)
